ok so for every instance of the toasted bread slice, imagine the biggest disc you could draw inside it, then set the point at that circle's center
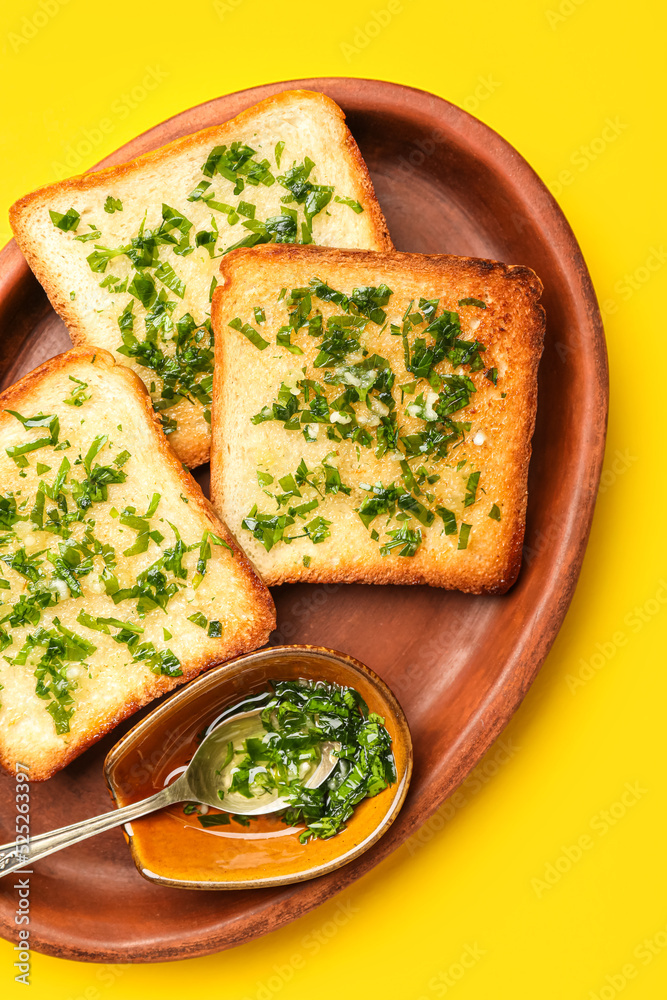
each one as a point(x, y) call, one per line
point(373, 414)
point(117, 581)
point(290, 160)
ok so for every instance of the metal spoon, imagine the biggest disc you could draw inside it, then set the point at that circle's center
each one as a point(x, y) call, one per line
point(198, 783)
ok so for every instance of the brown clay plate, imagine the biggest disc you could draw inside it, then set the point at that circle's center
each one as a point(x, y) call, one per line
point(459, 664)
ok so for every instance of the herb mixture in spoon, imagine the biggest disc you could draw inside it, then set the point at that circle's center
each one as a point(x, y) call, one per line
point(283, 748)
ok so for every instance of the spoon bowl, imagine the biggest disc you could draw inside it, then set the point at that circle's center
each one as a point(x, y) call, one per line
point(202, 773)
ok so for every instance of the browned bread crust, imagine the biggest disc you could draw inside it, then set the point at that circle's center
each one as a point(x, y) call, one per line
point(60, 263)
point(234, 592)
point(246, 379)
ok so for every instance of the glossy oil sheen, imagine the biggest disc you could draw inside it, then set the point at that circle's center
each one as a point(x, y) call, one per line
point(172, 848)
point(459, 664)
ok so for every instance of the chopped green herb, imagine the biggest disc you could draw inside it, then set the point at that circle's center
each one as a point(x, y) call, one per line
point(41, 420)
point(471, 489)
point(205, 550)
point(214, 819)
point(236, 164)
point(166, 274)
point(283, 340)
point(318, 529)
point(246, 209)
point(472, 302)
point(79, 393)
point(407, 539)
point(448, 519)
point(464, 535)
point(143, 288)
point(250, 333)
point(106, 624)
point(266, 528)
point(94, 234)
point(495, 512)
point(351, 203)
point(112, 205)
point(67, 221)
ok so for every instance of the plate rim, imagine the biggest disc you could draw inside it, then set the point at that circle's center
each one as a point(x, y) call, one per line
point(511, 685)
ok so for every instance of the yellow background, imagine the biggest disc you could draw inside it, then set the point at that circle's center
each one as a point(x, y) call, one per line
point(547, 75)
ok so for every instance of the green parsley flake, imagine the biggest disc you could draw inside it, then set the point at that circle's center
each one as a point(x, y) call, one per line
point(79, 393)
point(250, 333)
point(67, 221)
point(464, 535)
point(112, 205)
point(351, 203)
point(471, 489)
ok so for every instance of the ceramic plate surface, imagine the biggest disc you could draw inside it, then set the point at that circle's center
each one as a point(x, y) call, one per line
point(458, 664)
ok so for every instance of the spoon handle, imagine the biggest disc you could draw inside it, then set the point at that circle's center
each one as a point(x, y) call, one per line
point(21, 855)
